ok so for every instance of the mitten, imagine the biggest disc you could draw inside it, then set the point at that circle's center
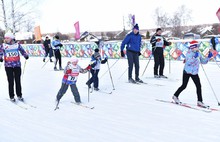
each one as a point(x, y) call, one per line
point(210, 55)
point(88, 67)
point(196, 55)
point(26, 57)
point(122, 54)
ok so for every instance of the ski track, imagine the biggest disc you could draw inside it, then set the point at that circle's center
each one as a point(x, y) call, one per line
point(129, 114)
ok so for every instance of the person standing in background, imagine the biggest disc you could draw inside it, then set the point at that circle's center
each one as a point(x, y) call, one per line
point(48, 49)
point(56, 45)
point(158, 44)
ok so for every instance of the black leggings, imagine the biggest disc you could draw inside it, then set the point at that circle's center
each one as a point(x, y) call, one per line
point(57, 57)
point(196, 80)
point(14, 74)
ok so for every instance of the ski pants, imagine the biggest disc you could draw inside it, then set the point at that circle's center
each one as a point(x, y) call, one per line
point(14, 74)
point(48, 51)
point(94, 79)
point(133, 60)
point(158, 60)
point(74, 90)
point(57, 57)
point(196, 80)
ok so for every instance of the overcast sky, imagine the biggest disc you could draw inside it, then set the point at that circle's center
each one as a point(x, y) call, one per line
point(107, 15)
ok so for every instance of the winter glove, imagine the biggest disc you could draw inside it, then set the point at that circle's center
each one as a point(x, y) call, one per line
point(26, 57)
point(88, 67)
point(122, 54)
point(1, 60)
point(139, 54)
point(196, 55)
point(104, 61)
point(210, 55)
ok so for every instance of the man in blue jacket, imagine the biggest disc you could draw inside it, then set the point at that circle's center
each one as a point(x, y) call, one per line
point(133, 42)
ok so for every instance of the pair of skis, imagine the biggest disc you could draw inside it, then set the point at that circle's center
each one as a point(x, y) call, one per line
point(78, 104)
point(22, 104)
point(207, 109)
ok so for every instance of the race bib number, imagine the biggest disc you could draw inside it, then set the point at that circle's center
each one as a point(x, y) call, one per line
point(159, 44)
point(71, 78)
point(12, 54)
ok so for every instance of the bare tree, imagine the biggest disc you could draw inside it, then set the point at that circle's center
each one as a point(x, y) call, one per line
point(179, 20)
point(4, 14)
point(161, 18)
point(20, 11)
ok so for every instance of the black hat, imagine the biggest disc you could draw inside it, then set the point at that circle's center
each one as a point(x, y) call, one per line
point(56, 36)
point(158, 29)
point(136, 27)
point(96, 50)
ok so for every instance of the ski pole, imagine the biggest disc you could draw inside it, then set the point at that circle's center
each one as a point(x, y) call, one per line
point(110, 76)
point(110, 68)
point(88, 85)
point(45, 63)
point(123, 73)
point(210, 84)
point(169, 63)
point(24, 68)
point(146, 65)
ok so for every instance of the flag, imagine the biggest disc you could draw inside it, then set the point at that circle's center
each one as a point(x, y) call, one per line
point(218, 14)
point(77, 34)
point(37, 33)
point(133, 20)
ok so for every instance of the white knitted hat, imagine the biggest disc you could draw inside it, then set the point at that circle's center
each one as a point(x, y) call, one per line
point(9, 35)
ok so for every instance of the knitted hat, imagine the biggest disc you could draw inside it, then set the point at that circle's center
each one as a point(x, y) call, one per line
point(158, 29)
point(9, 35)
point(56, 36)
point(74, 60)
point(193, 44)
point(136, 27)
point(96, 50)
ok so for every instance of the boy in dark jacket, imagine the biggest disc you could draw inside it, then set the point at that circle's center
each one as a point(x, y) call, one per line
point(95, 67)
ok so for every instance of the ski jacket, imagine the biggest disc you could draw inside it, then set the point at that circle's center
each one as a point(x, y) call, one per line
point(133, 42)
point(11, 54)
point(71, 74)
point(192, 63)
point(95, 63)
point(158, 41)
point(56, 44)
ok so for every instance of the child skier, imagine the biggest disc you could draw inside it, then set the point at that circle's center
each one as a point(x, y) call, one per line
point(95, 67)
point(71, 73)
point(191, 68)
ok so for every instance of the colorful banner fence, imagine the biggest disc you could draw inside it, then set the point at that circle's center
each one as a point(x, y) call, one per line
point(176, 51)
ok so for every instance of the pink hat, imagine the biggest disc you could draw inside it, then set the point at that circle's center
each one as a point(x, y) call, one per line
point(74, 60)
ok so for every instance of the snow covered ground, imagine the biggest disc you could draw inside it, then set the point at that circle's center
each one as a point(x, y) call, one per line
point(130, 114)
